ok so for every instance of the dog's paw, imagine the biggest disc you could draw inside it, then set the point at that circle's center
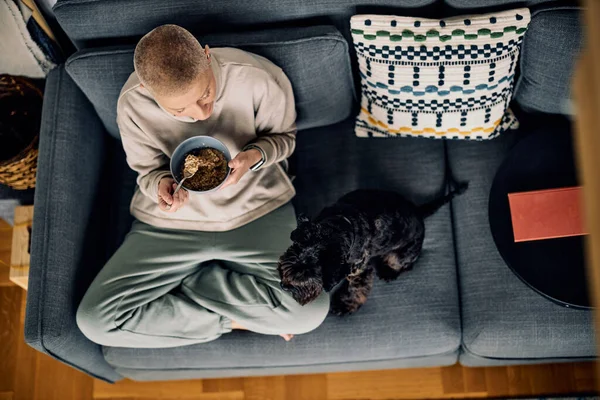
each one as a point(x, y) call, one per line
point(387, 274)
point(342, 306)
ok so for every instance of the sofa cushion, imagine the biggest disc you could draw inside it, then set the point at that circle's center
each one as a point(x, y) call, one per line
point(550, 49)
point(132, 19)
point(413, 318)
point(503, 318)
point(441, 79)
point(478, 4)
point(315, 60)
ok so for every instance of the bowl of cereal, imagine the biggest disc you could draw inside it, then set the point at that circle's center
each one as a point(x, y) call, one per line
point(206, 159)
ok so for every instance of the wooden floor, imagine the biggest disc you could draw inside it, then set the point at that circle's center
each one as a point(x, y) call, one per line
point(26, 374)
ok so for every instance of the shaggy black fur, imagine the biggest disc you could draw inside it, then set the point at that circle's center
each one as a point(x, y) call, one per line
point(366, 231)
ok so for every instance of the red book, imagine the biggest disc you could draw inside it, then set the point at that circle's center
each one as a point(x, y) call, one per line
point(547, 214)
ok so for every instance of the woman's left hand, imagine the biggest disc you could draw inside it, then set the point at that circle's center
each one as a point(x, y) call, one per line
point(240, 165)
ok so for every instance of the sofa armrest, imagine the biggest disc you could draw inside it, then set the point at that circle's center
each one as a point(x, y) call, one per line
point(66, 247)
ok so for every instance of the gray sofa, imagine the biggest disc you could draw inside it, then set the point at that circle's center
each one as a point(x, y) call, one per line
point(460, 303)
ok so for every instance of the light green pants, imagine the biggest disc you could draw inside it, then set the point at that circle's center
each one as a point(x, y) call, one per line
point(166, 288)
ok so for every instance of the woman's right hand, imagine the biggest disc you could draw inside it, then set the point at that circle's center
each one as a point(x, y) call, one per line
point(166, 201)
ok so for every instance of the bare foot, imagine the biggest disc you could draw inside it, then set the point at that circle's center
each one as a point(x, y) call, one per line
point(235, 325)
point(287, 337)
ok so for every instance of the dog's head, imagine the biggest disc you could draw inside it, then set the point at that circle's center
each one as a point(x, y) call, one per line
point(301, 266)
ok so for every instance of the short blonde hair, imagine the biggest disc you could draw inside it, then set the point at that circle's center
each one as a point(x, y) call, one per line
point(169, 59)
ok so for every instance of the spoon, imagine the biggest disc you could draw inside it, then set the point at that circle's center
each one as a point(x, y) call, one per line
point(187, 174)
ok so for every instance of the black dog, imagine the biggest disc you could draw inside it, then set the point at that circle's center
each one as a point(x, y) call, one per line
point(366, 231)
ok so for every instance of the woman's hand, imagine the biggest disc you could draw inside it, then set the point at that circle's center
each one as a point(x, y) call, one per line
point(240, 165)
point(166, 201)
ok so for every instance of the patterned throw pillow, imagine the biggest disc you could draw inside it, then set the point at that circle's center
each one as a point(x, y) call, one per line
point(450, 78)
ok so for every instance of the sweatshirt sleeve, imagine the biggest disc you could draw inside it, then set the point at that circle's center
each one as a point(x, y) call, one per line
point(143, 157)
point(275, 118)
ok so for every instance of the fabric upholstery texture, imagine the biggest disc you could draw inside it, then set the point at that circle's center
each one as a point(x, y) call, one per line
point(414, 317)
point(140, 374)
point(313, 58)
point(449, 78)
point(67, 236)
point(478, 4)
point(550, 50)
point(132, 19)
point(502, 318)
point(470, 360)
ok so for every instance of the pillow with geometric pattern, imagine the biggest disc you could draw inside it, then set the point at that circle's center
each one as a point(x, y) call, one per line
point(451, 78)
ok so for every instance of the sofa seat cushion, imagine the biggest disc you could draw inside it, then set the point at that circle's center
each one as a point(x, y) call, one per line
point(315, 60)
point(502, 318)
point(404, 323)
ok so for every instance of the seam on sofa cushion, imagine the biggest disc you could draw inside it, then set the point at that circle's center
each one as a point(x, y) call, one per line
point(465, 349)
point(86, 53)
point(455, 351)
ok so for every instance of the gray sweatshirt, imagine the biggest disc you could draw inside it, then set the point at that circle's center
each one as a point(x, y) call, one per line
point(254, 104)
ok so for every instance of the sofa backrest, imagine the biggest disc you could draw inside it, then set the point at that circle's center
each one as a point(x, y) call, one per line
point(95, 23)
point(550, 50)
point(315, 60)
point(90, 22)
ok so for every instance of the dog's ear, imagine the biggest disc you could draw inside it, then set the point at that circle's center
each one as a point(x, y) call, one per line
point(304, 232)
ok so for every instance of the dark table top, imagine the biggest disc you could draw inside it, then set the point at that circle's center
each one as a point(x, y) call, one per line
point(554, 268)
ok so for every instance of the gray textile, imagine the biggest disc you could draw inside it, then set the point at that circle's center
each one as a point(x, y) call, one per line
point(127, 19)
point(68, 233)
point(153, 374)
point(550, 49)
point(502, 318)
point(168, 288)
point(315, 60)
point(506, 4)
point(7, 210)
point(407, 321)
point(470, 360)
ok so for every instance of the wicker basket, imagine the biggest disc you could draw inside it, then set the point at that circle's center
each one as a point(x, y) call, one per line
point(19, 172)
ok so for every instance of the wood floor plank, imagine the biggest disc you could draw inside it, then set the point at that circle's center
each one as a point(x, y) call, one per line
point(202, 396)
point(306, 387)
point(474, 380)
point(548, 379)
point(57, 381)
point(6, 395)
point(27, 361)
point(585, 377)
point(10, 308)
point(223, 385)
point(390, 384)
point(5, 236)
point(518, 380)
point(265, 388)
point(496, 381)
point(237, 395)
point(189, 389)
point(5, 248)
point(563, 377)
point(452, 380)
